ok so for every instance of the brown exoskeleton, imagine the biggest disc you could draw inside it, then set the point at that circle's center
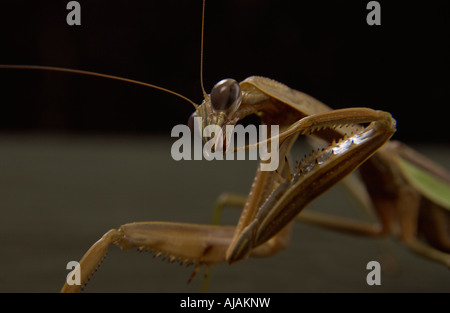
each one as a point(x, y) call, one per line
point(278, 197)
point(409, 193)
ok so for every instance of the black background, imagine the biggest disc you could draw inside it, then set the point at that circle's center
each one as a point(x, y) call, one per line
point(323, 48)
point(60, 194)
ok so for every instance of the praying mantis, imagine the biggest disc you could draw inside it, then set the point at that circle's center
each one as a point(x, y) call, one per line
point(317, 108)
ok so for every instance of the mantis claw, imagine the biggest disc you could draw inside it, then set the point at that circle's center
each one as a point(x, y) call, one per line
point(314, 175)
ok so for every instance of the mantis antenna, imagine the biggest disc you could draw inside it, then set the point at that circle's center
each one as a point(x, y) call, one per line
point(68, 70)
point(205, 95)
point(89, 73)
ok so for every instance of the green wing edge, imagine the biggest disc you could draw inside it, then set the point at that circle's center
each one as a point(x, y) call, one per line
point(432, 187)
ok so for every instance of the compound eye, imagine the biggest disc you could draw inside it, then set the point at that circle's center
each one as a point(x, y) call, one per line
point(226, 94)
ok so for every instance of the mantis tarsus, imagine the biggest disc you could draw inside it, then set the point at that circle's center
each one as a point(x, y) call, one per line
point(304, 113)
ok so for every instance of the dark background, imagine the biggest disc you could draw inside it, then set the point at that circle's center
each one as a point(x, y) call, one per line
point(81, 155)
point(324, 48)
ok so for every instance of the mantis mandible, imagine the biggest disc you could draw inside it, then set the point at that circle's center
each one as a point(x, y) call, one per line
point(280, 105)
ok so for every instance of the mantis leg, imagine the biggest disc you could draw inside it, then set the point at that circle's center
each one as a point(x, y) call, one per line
point(227, 199)
point(427, 251)
point(341, 224)
point(186, 243)
point(327, 221)
point(278, 242)
point(439, 233)
point(410, 206)
point(319, 219)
